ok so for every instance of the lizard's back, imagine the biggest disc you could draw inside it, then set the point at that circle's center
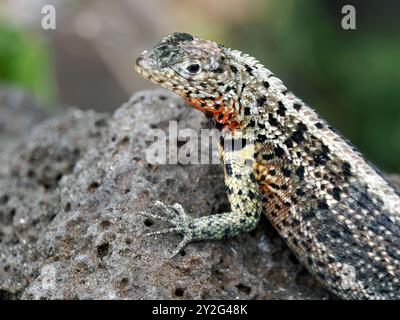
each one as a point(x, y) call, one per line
point(335, 210)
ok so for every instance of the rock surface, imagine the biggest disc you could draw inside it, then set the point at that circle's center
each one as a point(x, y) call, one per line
point(71, 188)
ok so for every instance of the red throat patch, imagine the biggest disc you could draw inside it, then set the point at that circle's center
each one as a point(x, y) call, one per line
point(225, 115)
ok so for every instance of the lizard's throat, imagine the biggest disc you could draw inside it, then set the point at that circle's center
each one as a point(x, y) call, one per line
point(224, 116)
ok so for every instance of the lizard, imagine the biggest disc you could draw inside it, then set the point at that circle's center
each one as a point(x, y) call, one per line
point(334, 209)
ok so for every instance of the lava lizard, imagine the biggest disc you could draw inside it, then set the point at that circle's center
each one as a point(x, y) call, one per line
point(335, 211)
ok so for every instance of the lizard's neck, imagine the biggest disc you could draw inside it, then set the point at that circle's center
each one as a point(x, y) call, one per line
point(236, 101)
point(252, 84)
point(221, 111)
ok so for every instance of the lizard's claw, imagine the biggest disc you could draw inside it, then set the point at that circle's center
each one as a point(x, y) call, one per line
point(181, 222)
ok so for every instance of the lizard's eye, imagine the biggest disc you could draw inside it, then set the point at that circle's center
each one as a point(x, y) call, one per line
point(193, 68)
point(190, 70)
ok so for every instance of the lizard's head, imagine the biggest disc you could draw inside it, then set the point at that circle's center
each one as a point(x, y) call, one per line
point(197, 70)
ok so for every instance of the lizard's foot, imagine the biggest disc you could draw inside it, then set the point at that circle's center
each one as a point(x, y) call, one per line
point(176, 215)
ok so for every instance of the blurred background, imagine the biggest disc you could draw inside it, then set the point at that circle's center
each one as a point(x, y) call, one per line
point(351, 77)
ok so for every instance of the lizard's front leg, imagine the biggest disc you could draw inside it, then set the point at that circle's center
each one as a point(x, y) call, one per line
point(243, 195)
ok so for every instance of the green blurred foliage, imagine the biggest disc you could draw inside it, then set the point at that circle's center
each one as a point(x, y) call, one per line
point(351, 77)
point(24, 62)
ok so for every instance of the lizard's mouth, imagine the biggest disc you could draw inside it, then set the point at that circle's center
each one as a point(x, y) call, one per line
point(144, 64)
point(148, 66)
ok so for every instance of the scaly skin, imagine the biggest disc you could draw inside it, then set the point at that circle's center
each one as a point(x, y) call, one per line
point(335, 211)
